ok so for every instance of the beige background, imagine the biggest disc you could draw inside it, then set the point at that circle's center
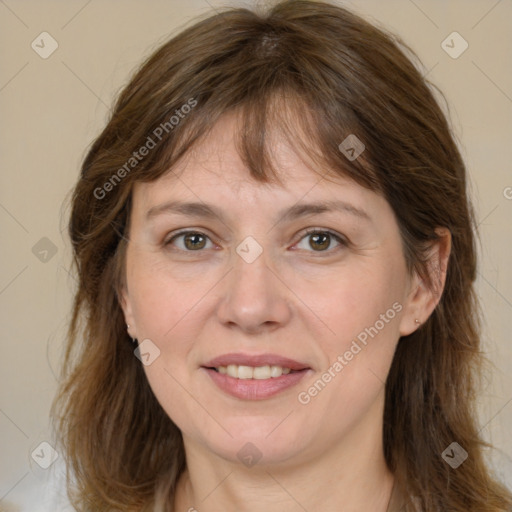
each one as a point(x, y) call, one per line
point(51, 109)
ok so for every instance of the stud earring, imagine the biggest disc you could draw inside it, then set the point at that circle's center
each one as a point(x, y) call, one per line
point(417, 321)
point(134, 340)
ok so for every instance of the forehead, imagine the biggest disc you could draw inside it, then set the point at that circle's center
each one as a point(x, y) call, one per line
point(213, 168)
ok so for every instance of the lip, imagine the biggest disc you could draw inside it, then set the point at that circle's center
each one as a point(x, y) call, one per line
point(255, 389)
point(255, 360)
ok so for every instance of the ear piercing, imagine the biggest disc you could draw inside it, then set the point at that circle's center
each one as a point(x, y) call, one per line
point(417, 321)
point(133, 339)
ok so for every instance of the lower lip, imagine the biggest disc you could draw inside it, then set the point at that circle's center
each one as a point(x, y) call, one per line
point(255, 389)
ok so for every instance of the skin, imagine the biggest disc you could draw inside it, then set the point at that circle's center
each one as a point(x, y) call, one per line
point(294, 300)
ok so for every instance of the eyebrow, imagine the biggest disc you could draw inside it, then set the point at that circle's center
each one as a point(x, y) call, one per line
point(207, 211)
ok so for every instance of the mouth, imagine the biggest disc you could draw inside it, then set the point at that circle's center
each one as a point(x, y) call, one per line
point(254, 377)
point(249, 372)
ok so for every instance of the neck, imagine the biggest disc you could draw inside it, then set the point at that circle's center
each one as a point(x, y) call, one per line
point(350, 476)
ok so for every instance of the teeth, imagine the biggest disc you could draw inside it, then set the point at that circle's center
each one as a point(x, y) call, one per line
point(249, 372)
point(277, 371)
point(261, 372)
point(232, 370)
point(244, 372)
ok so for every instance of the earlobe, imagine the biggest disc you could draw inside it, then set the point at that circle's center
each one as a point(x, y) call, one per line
point(412, 316)
point(125, 303)
point(423, 299)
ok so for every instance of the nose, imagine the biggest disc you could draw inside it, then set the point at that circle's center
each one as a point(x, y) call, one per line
point(255, 298)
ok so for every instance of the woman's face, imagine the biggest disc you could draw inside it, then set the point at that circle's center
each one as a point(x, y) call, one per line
point(252, 330)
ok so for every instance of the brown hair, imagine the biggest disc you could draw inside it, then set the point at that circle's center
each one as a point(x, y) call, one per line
point(337, 75)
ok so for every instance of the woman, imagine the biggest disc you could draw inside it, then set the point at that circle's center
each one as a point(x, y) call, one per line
point(276, 258)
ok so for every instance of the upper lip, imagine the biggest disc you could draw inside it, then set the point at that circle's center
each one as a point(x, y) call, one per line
point(255, 361)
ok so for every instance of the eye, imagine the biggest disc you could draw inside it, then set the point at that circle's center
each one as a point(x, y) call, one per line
point(195, 241)
point(320, 240)
point(192, 240)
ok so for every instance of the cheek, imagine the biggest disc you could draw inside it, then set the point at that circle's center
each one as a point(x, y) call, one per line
point(358, 300)
point(163, 308)
point(163, 298)
point(363, 309)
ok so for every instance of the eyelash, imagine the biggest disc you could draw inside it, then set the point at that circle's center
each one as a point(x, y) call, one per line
point(314, 231)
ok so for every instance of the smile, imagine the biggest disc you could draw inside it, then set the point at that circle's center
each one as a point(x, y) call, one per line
point(249, 372)
point(254, 377)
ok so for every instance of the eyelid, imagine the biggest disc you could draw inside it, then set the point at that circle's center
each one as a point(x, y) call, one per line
point(341, 239)
point(171, 236)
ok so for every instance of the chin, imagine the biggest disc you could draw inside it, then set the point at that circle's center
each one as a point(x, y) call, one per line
point(256, 441)
point(258, 452)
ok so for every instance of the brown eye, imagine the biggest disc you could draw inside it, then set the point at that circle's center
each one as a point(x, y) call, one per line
point(321, 241)
point(191, 241)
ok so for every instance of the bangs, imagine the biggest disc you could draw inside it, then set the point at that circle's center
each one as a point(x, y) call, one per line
point(262, 121)
point(314, 99)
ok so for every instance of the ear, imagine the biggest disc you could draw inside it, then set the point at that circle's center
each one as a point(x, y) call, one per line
point(124, 301)
point(422, 300)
